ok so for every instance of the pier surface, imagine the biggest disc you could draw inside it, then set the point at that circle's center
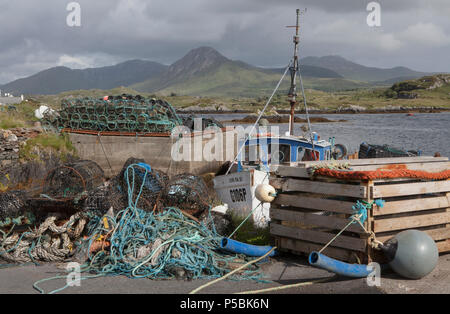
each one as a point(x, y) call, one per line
point(282, 271)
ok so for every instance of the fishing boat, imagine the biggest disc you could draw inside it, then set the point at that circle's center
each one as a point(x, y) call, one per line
point(261, 152)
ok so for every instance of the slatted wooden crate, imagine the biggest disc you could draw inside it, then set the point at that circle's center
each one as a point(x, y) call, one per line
point(308, 212)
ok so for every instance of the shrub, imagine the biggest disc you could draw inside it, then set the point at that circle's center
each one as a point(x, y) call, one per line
point(248, 233)
point(59, 144)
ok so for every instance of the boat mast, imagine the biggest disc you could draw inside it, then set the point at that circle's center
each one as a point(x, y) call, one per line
point(292, 95)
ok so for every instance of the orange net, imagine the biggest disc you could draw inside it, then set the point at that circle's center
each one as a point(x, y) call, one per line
point(382, 174)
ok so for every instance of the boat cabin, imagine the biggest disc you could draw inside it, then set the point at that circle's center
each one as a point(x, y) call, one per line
point(284, 149)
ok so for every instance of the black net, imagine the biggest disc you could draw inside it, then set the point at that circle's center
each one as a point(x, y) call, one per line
point(187, 192)
point(12, 204)
point(105, 197)
point(382, 151)
point(206, 122)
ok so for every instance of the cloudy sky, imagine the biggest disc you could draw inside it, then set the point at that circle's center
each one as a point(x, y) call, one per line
point(34, 35)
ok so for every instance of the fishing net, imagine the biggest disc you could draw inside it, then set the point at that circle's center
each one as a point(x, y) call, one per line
point(382, 174)
point(130, 241)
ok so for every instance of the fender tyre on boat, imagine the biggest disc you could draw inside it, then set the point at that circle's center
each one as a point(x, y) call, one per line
point(340, 151)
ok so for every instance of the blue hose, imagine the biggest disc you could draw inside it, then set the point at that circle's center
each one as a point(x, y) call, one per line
point(243, 248)
point(340, 268)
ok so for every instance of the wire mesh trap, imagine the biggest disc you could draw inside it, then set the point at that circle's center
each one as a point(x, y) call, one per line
point(72, 179)
point(124, 113)
point(187, 192)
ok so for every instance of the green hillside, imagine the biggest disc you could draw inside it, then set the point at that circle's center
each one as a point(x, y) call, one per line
point(431, 86)
point(231, 80)
point(228, 79)
point(355, 71)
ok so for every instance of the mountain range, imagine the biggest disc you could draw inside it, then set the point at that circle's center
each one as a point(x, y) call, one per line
point(204, 71)
point(355, 71)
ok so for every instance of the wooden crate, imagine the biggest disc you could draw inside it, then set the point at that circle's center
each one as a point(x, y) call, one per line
point(308, 212)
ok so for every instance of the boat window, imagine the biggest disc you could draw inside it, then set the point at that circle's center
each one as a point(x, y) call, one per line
point(300, 153)
point(253, 154)
point(308, 155)
point(280, 153)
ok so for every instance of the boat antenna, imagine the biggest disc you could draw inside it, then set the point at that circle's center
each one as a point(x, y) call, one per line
point(294, 71)
point(292, 94)
point(307, 115)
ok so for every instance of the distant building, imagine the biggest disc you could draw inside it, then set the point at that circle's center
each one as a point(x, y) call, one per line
point(9, 99)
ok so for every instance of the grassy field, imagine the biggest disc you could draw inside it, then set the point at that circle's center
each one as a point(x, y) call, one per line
point(367, 98)
point(20, 115)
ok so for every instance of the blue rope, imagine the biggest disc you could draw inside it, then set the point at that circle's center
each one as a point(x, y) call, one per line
point(361, 208)
point(185, 244)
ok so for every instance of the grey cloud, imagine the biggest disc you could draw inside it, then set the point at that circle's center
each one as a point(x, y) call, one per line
point(34, 36)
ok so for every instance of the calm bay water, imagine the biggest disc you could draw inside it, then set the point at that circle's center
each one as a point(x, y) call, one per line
point(428, 132)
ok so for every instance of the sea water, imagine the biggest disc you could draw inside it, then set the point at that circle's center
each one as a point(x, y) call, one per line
point(427, 132)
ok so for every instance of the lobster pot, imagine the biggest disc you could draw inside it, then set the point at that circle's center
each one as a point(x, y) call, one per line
point(147, 184)
point(187, 192)
point(382, 151)
point(72, 179)
point(311, 209)
point(123, 113)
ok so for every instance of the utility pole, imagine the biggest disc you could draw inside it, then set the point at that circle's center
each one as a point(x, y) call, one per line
point(292, 95)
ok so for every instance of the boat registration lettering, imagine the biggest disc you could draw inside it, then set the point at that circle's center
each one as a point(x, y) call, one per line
point(238, 195)
point(235, 179)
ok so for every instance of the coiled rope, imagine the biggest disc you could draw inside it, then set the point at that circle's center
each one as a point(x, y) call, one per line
point(48, 242)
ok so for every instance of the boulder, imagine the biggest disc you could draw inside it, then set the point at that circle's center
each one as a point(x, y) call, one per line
point(12, 138)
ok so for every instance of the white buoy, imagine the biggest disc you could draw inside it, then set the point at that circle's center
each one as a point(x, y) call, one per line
point(265, 193)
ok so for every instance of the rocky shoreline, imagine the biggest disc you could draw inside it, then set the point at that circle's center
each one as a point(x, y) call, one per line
point(351, 109)
point(281, 119)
